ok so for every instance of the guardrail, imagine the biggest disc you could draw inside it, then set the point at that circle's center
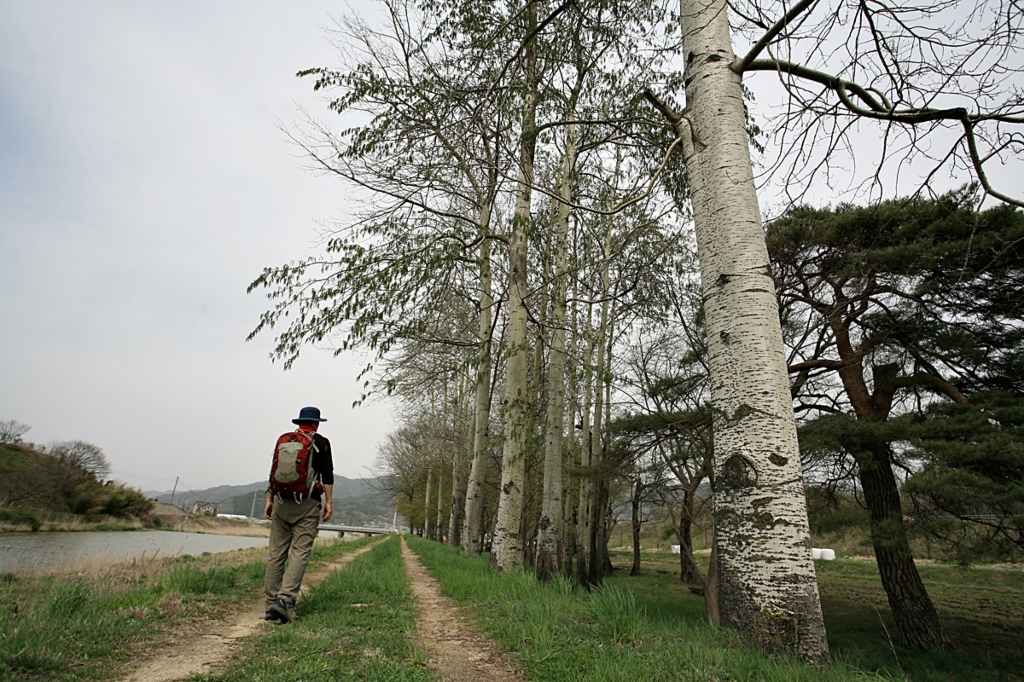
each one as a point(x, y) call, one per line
point(357, 529)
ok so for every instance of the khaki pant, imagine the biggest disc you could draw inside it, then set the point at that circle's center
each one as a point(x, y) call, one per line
point(292, 532)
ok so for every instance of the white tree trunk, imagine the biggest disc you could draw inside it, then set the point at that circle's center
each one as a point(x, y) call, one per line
point(439, 525)
point(507, 549)
point(472, 533)
point(549, 542)
point(427, 519)
point(507, 552)
point(583, 503)
point(768, 589)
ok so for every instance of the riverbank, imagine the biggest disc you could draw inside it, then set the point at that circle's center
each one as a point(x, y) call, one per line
point(193, 523)
point(72, 543)
point(19, 521)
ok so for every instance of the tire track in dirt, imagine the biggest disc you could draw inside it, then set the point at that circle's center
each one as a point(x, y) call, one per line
point(209, 649)
point(456, 651)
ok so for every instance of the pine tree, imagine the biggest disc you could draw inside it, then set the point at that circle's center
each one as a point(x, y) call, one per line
point(904, 303)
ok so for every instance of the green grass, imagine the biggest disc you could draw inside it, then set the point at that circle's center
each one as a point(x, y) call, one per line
point(981, 609)
point(81, 627)
point(354, 626)
point(61, 629)
point(635, 629)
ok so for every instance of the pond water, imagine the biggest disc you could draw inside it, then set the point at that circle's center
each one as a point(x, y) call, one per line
point(40, 552)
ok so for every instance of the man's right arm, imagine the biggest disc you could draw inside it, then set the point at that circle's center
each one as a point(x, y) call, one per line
point(268, 511)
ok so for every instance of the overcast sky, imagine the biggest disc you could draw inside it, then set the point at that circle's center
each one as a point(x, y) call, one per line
point(144, 182)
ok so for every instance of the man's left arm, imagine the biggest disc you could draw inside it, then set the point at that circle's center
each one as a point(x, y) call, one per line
point(325, 467)
point(328, 507)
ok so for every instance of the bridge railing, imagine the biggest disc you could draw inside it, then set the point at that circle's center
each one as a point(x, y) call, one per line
point(358, 529)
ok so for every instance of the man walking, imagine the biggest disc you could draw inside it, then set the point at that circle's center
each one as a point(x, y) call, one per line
point(301, 482)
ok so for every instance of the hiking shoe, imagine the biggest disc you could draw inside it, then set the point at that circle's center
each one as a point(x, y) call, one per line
point(284, 609)
point(270, 615)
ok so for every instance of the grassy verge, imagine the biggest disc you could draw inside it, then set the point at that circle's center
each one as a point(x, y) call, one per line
point(564, 634)
point(658, 560)
point(353, 626)
point(80, 626)
point(982, 611)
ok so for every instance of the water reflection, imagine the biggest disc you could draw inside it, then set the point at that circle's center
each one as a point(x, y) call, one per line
point(40, 552)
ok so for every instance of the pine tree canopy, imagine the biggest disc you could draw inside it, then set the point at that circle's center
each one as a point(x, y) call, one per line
point(905, 323)
point(928, 294)
point(973, 469)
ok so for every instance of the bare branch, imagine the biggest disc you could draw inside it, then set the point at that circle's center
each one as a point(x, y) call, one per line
point(741, 65)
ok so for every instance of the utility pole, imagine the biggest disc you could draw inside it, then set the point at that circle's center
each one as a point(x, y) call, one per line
point(253, 509)
point(175, 488)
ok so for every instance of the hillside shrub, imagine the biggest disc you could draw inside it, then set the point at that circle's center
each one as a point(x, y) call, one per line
point(21, 517)
point(92, 498)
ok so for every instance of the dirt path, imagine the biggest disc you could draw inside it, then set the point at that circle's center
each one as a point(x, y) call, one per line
point(208, 647)
point(456, 651)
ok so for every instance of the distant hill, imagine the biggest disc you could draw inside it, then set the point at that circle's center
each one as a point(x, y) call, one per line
point(356, 500)
point(215, 494)
point(343, 487)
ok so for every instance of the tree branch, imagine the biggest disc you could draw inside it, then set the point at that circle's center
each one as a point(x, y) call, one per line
point(976, 161)
point(934, 382)
point(741, 65)
point(817, 364)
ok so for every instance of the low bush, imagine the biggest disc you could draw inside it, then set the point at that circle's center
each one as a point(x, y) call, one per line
point(92, 498)
point(837, 520)
point(21, 517)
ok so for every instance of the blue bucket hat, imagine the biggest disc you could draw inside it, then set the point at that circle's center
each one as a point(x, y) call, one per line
point(308, 414)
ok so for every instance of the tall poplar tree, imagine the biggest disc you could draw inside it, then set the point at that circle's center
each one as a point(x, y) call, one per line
point(768, 589)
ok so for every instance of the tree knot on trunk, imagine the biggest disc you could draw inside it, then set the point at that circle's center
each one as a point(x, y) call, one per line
point(738, 472)
point(743, 411)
